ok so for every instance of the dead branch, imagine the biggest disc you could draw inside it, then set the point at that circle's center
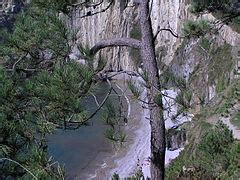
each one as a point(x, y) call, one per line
point(166, 29)
point(99, 107)
point(95, 99)
point(90, 13)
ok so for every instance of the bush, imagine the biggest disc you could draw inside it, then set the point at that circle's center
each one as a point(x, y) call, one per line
point(212, 5)
point(215, 156)
point(196, 28)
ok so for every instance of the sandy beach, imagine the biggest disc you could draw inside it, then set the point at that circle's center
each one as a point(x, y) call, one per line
point(125, 159)
point(136, 151)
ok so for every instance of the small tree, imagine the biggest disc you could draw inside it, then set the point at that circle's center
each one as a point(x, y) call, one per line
point(40, 90)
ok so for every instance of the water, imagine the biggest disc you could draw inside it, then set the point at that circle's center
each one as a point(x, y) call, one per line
point(82, 151)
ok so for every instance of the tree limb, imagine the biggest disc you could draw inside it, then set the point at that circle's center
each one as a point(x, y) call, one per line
point(86, 3)
point(95, 99)
point(98, 108)
point(89, 13)
point(20, 59)
point(165, 29)
point(130, 42)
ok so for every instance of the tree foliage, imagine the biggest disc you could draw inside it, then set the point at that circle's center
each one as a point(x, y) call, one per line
point(226, 6)
point(40, 89)
point(196, 28)
point(215, 157)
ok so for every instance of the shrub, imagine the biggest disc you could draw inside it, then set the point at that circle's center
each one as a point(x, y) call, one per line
point(196, 28)
point(212, 5)
point(215, 156)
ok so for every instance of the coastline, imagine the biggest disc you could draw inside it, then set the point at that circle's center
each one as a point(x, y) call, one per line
point(134, 153)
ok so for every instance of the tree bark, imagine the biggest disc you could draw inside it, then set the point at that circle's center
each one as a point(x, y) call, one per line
point(130, 42)
point(156, 112)
point(147, 49)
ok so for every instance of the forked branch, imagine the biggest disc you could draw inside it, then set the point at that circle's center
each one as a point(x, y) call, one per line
point(90, 13)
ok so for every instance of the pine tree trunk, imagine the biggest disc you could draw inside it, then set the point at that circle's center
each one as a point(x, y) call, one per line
point(156, 112)
point(147, 48)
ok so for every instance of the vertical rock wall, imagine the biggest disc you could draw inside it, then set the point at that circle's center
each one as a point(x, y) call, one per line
point(182, 56)
point(109, 24)
point(117, 23)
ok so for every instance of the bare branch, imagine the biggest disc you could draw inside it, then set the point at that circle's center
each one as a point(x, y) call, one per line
point(23, 70)
point(99, 107)
point(20, 59)
point(165, 29)
point(130, 42)
point(90, 13)
point(130, 73)
point(95, 99)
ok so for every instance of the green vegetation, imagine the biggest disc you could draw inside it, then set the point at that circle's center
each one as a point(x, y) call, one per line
point(229, 97)
point(205, 43)
point(221, 9)
point(138, 176)
point(215, 156)
point(235, 24)
point(196, 28)
point(169, 79)
point(114, 119)
point(212, 5)
point(136, 31)
point(184, 100)
point(40, 90)
point(211, 151)
point(222, 83)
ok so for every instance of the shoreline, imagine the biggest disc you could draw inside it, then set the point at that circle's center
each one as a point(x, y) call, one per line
point(134, 153)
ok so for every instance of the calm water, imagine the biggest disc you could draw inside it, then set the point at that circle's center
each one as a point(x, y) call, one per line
point(82, 151)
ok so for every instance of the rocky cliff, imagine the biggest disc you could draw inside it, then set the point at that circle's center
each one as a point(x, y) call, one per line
point(116, 22)
point(206, 64)
point(120, 21)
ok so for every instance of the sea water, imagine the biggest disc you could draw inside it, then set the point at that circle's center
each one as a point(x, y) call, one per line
point(83, 150)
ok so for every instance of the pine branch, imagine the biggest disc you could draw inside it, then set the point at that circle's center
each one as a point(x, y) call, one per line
point(89, 13)
point(129, 42)
point(165, 29)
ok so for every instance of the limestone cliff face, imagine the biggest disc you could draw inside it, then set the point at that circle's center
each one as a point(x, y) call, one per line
point(184, 57)
point(112, 23)
point(207, 64)
point(168, 14)
point(118, 23)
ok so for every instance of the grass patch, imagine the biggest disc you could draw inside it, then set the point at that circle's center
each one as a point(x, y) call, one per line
point(221, 62)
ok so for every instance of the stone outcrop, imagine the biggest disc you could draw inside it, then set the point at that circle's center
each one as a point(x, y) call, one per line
point(176, 138)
